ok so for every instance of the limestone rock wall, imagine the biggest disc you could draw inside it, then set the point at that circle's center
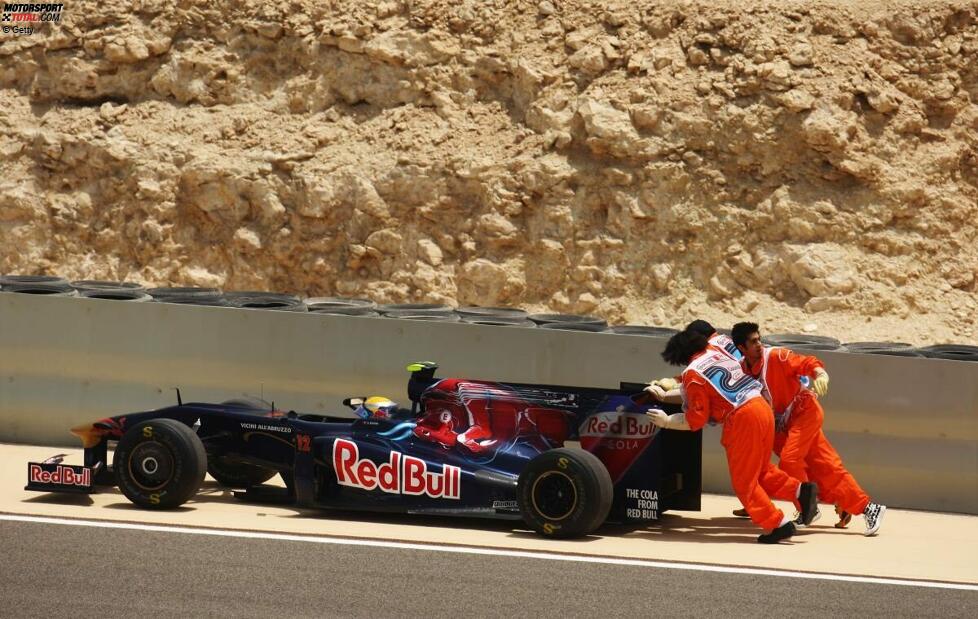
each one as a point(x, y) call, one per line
point(813, 165)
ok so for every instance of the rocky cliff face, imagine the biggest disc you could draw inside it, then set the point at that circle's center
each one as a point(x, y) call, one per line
point(811, 165)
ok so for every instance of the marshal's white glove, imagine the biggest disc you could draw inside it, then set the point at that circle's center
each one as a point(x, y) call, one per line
point(821, 383)
point(669, 422)
point(666, 384)
point(655, 391)
point(669, 397)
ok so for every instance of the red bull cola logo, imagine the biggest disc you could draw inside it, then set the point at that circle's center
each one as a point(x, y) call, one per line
point(617, 438)
point(399, 475)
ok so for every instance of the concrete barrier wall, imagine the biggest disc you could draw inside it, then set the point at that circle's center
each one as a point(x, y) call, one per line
point(907, 428)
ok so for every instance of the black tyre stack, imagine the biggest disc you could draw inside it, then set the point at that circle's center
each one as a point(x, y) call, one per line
point(802, 341)
point(50, 285)
point(644, 330)
point(342, 306)
point(431, 312)
point(891, 349)
point(188, 296)
point(495, 316)
point(569, 322)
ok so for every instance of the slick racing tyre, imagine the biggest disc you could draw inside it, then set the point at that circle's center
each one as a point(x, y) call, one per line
point(159, 464)
point(237, 474)
point(564, 493)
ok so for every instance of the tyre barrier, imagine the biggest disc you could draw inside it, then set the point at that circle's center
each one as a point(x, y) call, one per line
point(343, 311)
point(893, 349)
point(166, 294)
point(643, 330)
point(53, 285)
point(55, 290)
point(270, 301)
point(120, 294)
point(543, 319)
point(416, 309)
point(83, 285)
point(802, 341)
point(499, 321)
point(52, 280)
point(218, 301)
point(574, 326)
point(409, 315)
point(956, 352)
point(474, 311)
point(242, 294)
point(327, 302)
point(518, 321)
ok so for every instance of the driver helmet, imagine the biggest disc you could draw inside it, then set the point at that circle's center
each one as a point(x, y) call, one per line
point(376, 407)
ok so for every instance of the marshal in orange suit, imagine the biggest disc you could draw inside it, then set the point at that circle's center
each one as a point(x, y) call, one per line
point(794, 383)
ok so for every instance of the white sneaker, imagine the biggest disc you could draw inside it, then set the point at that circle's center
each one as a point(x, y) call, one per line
point(800, 524)
point(874, 518)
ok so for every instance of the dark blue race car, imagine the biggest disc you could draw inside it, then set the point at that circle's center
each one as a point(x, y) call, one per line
point(465, 448)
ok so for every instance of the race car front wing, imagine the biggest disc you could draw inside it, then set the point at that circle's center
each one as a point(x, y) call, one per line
point(53, 476)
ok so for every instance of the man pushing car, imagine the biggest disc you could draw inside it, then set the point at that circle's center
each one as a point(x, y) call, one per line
point(799, 441)
point(714, 388)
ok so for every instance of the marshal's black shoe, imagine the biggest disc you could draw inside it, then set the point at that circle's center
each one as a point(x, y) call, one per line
point(808, 497)
point(741, 513)
point(800, 524)
point(783, 532)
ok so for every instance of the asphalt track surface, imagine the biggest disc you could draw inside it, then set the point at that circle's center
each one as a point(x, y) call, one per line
point(217, 556)
point(61, 569)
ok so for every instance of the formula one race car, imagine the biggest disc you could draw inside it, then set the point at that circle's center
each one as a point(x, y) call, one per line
point(465, 448)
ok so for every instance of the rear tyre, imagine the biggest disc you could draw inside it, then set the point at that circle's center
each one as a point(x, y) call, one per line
point(237, 475)
point(565, 493)
point(159, 464)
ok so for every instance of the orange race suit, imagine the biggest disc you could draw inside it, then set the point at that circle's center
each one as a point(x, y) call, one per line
point(805, 452)
point(715, 389)
point(723, 343)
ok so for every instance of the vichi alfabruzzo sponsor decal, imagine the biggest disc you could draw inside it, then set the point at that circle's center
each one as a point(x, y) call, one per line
point(62, 475)
point(246, 425)
point(399, 475)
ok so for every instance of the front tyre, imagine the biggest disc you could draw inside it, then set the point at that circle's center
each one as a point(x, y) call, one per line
point(565, 493)
point(159, 464)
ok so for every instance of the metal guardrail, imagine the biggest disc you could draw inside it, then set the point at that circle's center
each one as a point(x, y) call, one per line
point(907, 428)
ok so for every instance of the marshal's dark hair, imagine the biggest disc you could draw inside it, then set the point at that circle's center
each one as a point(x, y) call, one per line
point(702, 327)
point(742, 330)
point(682, 346)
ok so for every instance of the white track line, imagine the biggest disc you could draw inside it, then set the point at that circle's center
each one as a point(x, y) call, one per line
point(522, 554)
